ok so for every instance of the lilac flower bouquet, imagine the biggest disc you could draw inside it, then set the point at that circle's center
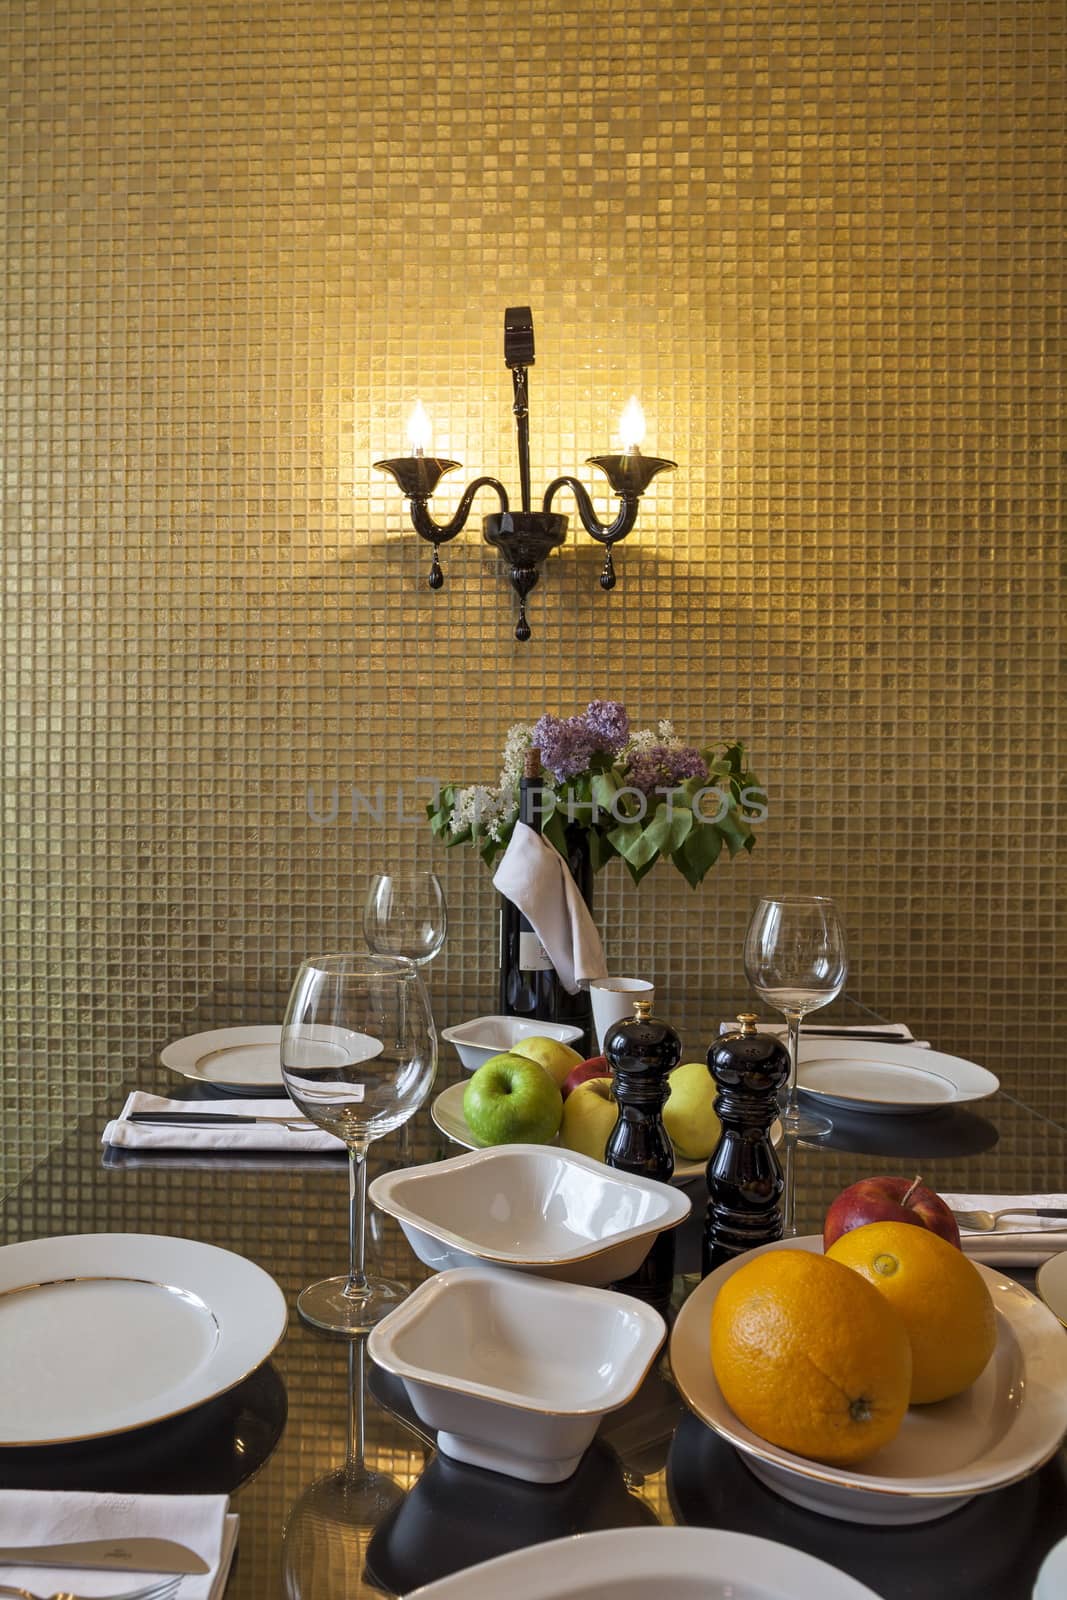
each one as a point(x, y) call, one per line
point(636, 794)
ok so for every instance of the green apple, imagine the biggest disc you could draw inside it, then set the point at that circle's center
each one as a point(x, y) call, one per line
point(511, 1100)
point(689, 1115)
point(556, 1058)
point(589, 1114)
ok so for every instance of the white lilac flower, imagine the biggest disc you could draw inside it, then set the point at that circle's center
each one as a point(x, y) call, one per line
point(479, 806)
point(515, 747)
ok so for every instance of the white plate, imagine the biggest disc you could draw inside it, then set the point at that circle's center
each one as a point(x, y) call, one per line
point(250, 1058)
point(1052, 1579)
point(447, 1113)
point(103, 1332)
point(1001, 1429)
point(632, 1563)
point(1052, 1287)
point(863, 1075)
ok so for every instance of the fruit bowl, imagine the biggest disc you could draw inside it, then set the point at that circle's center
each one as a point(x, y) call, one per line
point(476, 1041)
point(1001, 1429)
point(479, 1354)
point(531, 1208)
point(447, 1114)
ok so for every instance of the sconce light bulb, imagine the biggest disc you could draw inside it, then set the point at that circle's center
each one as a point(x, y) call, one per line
point(632, 425)
point(419, 430)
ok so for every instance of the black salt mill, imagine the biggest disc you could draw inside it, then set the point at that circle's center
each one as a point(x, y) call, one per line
point(642, 1054)
point(744, 1179)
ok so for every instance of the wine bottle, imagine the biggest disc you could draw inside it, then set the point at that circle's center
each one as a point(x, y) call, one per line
point(529, 984)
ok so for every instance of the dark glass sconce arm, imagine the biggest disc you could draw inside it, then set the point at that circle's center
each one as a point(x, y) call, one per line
point(418, 477)
point(440, 533)
point(606, 533)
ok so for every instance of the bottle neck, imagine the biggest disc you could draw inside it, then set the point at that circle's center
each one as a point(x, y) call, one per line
point(531, 803)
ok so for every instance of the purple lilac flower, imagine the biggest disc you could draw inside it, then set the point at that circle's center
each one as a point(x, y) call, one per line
point(658, 766)
point(566, 745)
point(608, 723)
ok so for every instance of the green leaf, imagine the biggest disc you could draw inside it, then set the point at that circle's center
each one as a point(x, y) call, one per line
point(554, 831)
point(699, 852)
point(604, 789)
point(734, 829)
point(633, 844)
point(601, 849)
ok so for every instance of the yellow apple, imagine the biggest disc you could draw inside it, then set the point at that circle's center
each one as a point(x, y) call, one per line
point(689, 1115)
point(556, 1058)
point(589, 1114)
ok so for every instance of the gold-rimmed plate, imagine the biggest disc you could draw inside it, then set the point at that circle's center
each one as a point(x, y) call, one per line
point(104, 1332)
point(1001, 1429)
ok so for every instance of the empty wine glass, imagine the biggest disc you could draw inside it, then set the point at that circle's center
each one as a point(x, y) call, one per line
point(358, 1056)
point(405, 915)
point(795, 961)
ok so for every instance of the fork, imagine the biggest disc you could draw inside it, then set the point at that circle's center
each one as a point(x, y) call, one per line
point(986, 1221)
point(161, 1589)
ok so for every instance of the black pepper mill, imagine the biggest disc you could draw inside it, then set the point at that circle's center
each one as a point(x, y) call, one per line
point(744, 1179)
point(642, 1054)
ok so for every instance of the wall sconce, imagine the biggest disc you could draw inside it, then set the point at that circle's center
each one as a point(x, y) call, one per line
point(525, 538)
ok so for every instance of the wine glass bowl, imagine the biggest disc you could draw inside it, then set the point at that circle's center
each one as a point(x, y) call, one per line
point(358, 1056)
point(405, 915)
point(795, 961)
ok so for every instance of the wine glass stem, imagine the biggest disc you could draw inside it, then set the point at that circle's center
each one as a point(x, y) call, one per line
point(793, 1103)
point(354, 1464)
point(356, 1287)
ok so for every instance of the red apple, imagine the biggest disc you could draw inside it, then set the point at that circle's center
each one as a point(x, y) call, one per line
point(889, 1200)
point(595, 1067)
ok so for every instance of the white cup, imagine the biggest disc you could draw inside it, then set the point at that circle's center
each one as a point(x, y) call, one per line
point(613, 1001)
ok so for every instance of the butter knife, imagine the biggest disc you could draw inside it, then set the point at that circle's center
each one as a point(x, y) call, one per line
point(208, 1119)
point(108, 1555)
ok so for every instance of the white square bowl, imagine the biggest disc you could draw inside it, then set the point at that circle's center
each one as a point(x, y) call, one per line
point(515, 1373)
point(535, 1209)
point(483, 1037)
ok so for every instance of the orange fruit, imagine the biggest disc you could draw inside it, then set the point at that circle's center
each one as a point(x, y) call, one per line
point(940, 1296)
point(806, 1361)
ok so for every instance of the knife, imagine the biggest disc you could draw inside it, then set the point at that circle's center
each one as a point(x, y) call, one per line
point(209, 1119)
point(881, 1036)
point(108, 1555)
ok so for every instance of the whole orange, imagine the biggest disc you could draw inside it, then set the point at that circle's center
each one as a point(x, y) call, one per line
point(810, 1357)
point(939, 1295)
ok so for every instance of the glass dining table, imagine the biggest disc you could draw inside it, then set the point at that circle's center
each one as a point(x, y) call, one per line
point(405, 1515)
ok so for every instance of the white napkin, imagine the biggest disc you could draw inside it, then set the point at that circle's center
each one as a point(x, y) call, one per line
point(41, 1516)
point(534, 876)
point(265, 1136)
point(1018, 1241)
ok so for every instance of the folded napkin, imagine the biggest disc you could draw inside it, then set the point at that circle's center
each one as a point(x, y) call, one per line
point(249, 1138)
point(41, 1516)
point(534, 876)
point(1018, 1241)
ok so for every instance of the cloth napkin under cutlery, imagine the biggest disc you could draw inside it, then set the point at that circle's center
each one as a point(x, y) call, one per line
point(534, 876)
point(249, 1137)
point(1018, 1241)
point(203, 1523)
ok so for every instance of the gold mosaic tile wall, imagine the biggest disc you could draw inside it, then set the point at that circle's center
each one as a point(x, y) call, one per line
point(821, 243)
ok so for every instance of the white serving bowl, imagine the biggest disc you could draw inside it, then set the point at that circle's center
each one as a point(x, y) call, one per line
point(483, 1037)
point(514, 1373)
point(531, 1207)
